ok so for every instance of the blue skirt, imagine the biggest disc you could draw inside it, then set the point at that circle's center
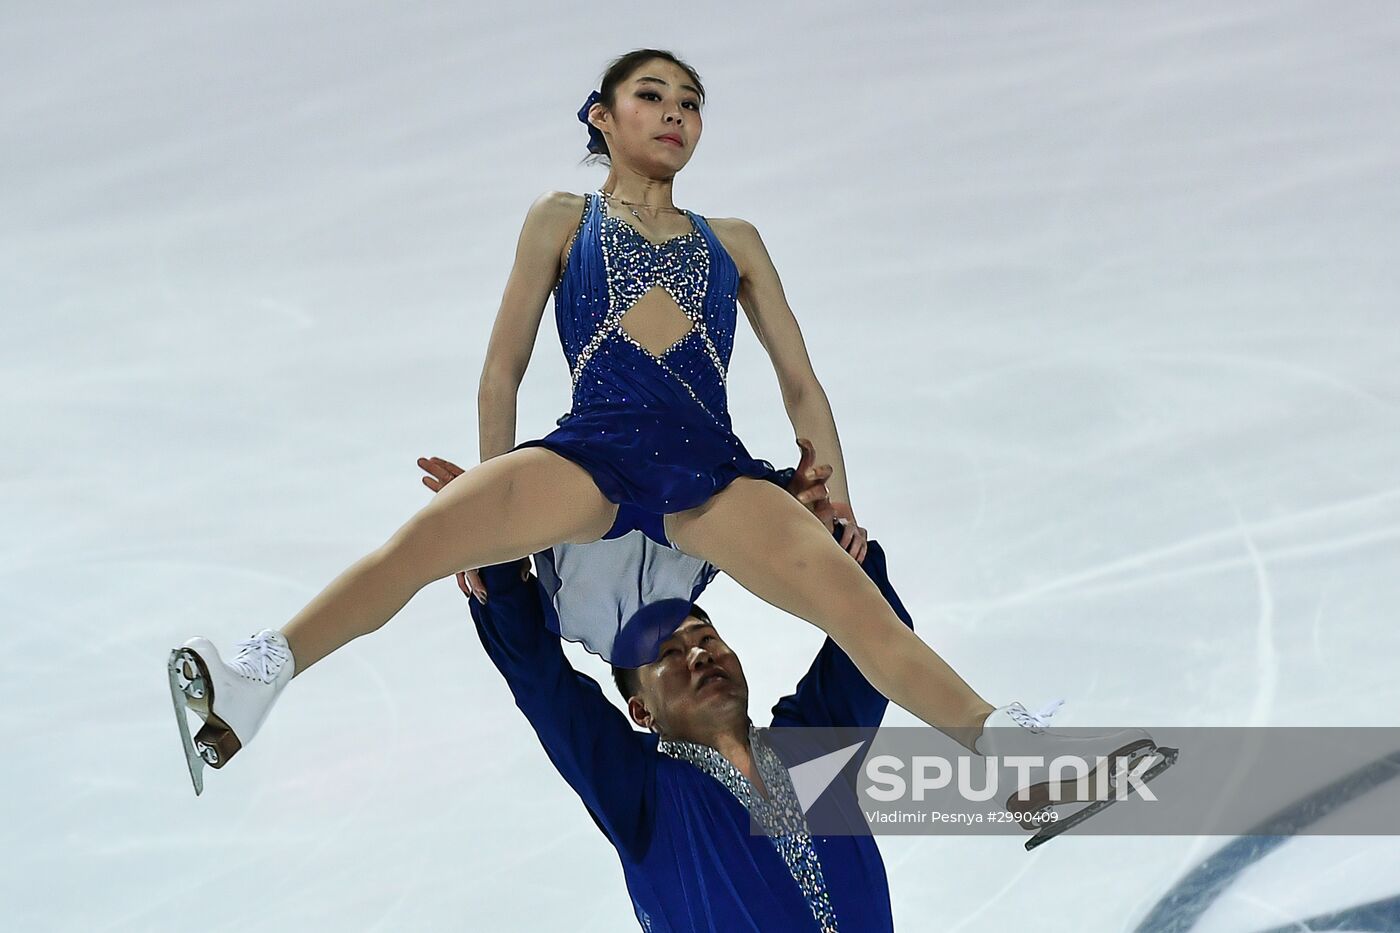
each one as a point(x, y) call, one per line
point(623, 595)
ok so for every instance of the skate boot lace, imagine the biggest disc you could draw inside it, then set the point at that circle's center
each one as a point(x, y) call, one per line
point(260, 657)
point(1037, 721)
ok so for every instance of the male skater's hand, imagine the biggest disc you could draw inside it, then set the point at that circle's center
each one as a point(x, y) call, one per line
point(808, 484)
point(854, 538)
point(440, 473)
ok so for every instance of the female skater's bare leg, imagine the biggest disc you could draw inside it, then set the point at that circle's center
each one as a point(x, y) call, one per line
point(505, 508)
point(782, 553)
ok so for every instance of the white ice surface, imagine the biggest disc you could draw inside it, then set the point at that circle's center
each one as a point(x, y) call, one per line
point(1104, 297)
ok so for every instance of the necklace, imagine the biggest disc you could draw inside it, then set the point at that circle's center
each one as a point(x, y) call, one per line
point(632, 206)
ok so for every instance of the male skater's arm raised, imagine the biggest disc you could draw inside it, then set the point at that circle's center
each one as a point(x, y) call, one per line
point(590, 742)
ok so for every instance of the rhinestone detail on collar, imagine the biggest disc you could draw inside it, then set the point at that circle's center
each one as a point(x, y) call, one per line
point(779, 813)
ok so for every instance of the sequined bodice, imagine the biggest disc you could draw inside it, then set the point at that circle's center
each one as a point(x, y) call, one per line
point(610, 267)
point(635, 265)
point(780, 813)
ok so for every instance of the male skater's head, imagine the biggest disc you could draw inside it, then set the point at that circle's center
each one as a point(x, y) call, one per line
point(693, 691)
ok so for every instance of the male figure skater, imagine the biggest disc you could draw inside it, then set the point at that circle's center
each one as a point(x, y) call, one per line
point(675, 801)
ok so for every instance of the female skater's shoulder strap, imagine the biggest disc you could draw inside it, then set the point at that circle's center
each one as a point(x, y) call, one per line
point(568, 254)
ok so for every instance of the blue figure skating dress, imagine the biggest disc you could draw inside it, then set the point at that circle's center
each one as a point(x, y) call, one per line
point(652, 429)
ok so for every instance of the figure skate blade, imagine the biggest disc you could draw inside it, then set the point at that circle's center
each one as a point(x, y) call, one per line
point(181, 700)
point(1169, 756)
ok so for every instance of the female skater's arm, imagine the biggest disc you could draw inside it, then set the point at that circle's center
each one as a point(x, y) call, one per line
point(550, 219)
point(761, 295)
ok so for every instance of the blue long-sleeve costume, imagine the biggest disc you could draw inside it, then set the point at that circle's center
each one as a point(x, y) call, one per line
point(690, 860)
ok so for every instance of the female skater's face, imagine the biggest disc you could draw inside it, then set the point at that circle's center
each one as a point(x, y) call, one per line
point(694, 686)
point(657, 100)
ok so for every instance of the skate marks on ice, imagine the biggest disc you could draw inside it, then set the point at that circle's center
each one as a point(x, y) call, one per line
point(1383, 915)
point(1183, 906)
point(1137, 570)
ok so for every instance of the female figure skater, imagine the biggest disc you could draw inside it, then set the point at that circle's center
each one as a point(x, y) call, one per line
point(643, 492)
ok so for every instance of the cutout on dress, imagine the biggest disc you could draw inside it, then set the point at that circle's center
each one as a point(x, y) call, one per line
point(655, 321)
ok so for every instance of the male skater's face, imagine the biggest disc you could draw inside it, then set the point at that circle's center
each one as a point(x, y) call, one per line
point(695, 687)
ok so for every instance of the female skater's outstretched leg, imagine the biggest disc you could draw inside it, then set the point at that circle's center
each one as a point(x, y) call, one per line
point(782, 553)
point(512, 505)
point(505, 508)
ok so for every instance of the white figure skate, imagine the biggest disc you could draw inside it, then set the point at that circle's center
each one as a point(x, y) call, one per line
point(1108, 758)
point(233, 698)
